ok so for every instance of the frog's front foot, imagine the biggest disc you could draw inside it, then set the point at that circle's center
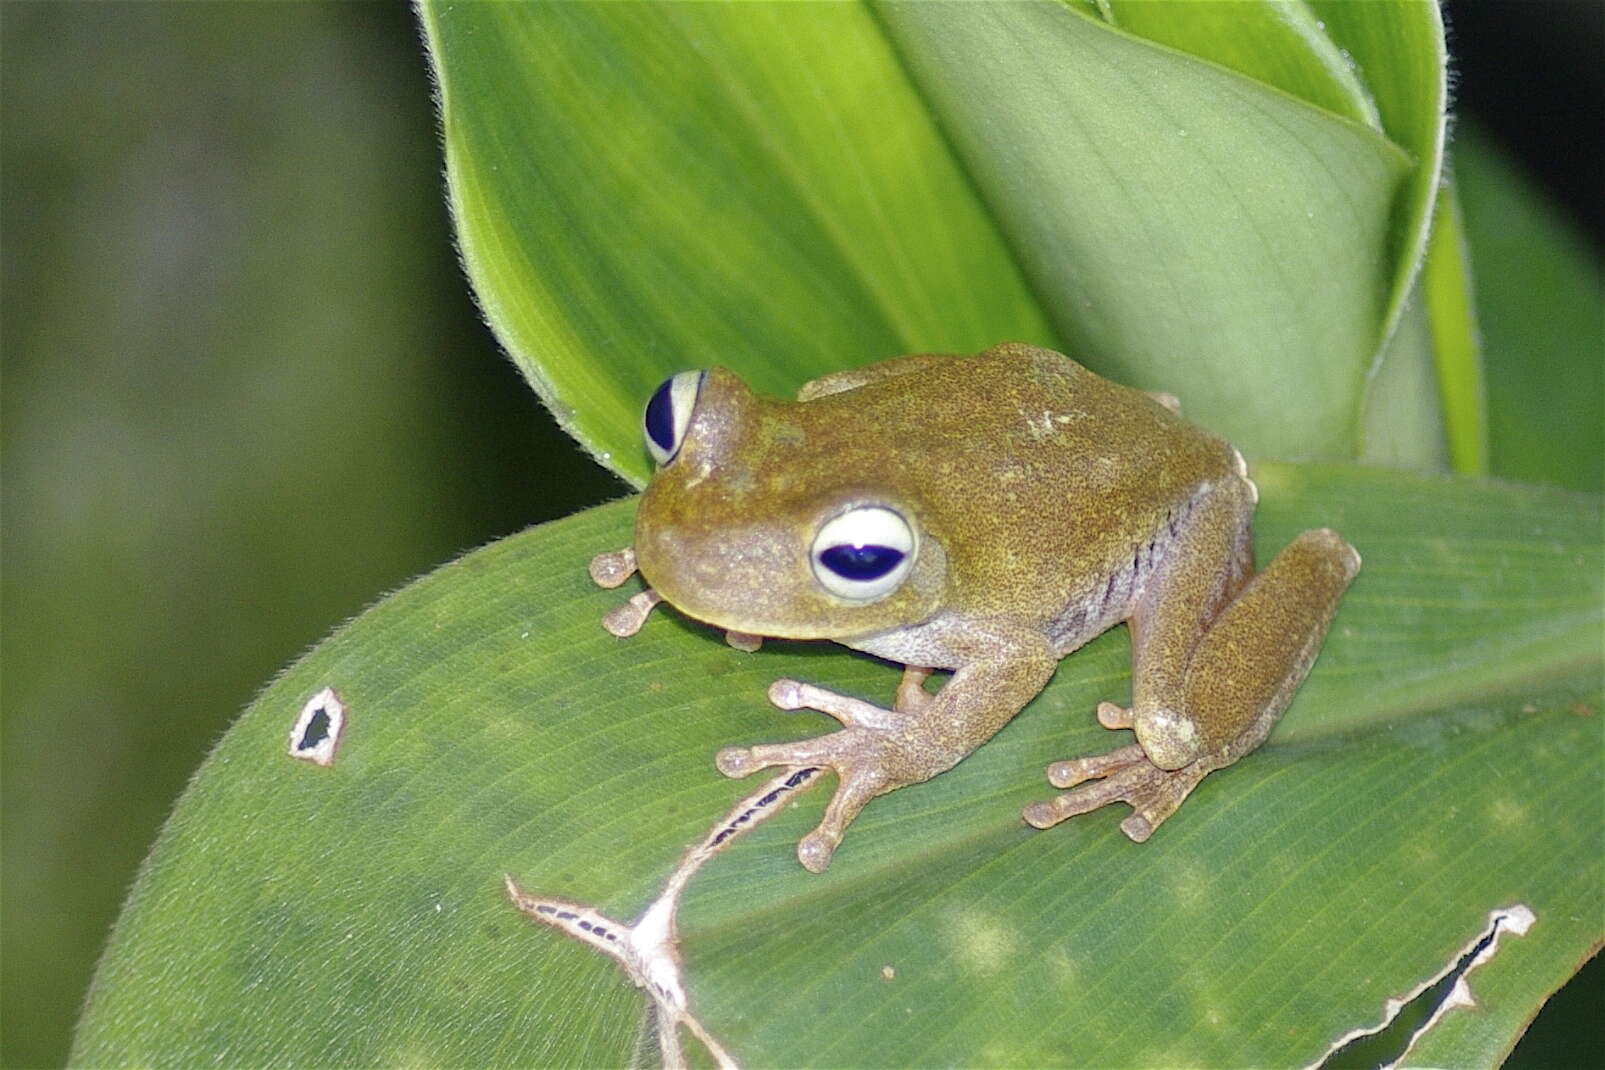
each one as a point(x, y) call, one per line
point(1123, 775)
point(870, 757)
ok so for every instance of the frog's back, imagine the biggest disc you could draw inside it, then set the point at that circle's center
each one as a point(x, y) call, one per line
point(1035, 472)
point(1017, 411)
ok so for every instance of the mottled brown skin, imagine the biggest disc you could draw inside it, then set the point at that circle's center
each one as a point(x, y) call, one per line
point(1049, 504)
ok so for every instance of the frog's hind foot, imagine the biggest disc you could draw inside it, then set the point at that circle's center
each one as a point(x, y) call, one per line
point(1124, 775)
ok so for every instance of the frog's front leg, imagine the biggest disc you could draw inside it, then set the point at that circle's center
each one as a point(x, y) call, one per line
point(1217, 654)
point(879, 750)
point(611, 569)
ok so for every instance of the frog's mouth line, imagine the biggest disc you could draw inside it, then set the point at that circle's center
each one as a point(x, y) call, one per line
point(724, 620)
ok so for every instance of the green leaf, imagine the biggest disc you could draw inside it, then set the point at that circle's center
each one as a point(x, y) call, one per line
point(1401, 423)
point(792, 189)
point(1179, 219)
point(1272, 41)
point(1451, 307)
point(1538, 289)
point(1397, 48)
point(640, 189)
point(1442, 761)
point(1381, 64)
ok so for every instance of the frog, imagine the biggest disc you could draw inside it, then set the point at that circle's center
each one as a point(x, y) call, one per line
point(983, 515)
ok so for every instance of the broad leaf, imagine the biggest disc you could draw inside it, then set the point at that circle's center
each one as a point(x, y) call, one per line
point(1186, 225)
point(1457, 349)
point(792, 189)
point(1397, 46)
point(1441, 762)
point(1538, 289)
point(645, 188)
point(1281, 44)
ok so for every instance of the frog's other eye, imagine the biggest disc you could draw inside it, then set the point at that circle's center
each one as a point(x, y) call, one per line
point(668, 414)
point(864, 553)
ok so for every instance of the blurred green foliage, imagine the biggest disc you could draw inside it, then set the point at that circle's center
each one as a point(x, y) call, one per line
point(1544, 426)
point(245, 392)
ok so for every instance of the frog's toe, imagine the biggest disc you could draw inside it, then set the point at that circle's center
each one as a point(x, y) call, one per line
point(851, 712)
point(854, 792)
point(816, 849)
point(1045, 815)
point(855, 755)
point(736, 762)
point(828, 749)
point(787, 694)
point(612, 569)
point(1112, 716)
point(624, 621)
point(744, 761)
point(1125, 775)
point(1068, 774)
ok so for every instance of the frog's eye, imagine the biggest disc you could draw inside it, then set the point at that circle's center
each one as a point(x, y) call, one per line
point(668, 414)
point(864, 553)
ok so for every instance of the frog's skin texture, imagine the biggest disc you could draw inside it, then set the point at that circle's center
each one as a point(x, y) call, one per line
point(1043, 505)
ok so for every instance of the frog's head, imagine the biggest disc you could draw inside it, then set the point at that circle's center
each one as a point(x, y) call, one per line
point(768, 517)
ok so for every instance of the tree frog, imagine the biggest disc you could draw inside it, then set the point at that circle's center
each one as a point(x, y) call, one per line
point(985, 515)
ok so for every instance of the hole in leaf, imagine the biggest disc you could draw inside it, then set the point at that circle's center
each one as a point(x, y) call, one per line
point(316, 732)
point(1406, 1021)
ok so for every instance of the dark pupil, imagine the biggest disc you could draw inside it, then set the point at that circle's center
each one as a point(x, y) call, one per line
point(861, 562)
point(660, 417)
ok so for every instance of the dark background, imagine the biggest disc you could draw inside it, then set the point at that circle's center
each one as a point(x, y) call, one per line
point(246, 391)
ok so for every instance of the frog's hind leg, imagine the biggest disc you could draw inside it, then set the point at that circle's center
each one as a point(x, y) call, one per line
point(1246, 669)
point(1216, 659)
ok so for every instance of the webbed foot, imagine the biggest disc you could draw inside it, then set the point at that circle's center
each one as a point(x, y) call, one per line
point(1124, 775)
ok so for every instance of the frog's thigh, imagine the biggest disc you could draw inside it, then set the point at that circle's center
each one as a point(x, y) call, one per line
point(1247, 667)
point(1205, 564)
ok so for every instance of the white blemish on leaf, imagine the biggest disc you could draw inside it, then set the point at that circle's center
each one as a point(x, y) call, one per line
point(1515, 919)
point(983, 944)
point(1507, 811)
point(318, 728)
point(1063, 968)
point(1191, 885)
point(649, 950)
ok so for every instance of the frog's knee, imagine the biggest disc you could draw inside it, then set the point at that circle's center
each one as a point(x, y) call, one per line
point(1328, 544)
point(1170, 739)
